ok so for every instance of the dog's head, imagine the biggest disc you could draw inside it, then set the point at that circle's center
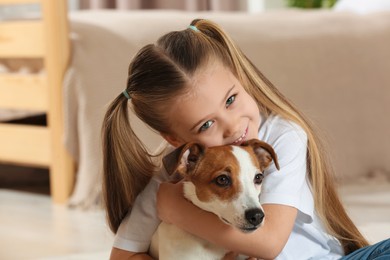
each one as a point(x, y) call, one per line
point(226, 180)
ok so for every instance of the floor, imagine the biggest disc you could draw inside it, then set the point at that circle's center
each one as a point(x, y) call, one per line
point(368, 204)
point(33, 228)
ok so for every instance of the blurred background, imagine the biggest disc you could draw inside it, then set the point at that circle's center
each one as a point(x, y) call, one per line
point(61, 62)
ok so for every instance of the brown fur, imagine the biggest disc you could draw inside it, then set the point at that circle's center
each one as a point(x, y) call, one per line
point(203, 165)
point(213, 164)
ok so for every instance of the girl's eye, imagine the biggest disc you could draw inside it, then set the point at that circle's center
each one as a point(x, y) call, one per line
point(206, 126)
point(230, 100)
point(258, 178)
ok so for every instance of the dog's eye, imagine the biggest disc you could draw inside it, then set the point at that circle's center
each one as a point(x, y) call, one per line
point(258, 178)
point(222, 180)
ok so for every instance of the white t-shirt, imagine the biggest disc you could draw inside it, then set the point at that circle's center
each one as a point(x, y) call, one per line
point(288, 186)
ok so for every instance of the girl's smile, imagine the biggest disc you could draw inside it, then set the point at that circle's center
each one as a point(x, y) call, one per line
point(242, 138)
point(216, 111)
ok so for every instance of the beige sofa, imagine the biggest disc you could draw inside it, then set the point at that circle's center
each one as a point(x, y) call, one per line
point(334, 66)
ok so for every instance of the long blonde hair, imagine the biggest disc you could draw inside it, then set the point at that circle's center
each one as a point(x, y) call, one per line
point(161, 72)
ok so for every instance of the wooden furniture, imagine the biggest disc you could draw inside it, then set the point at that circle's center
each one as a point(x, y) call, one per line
point(42, 146)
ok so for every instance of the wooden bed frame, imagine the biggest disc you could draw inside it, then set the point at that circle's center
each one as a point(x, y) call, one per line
point(41, 146)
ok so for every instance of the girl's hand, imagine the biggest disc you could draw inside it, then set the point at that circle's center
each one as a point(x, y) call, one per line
point(169, 198)
point(119, 254)
point(230, 256)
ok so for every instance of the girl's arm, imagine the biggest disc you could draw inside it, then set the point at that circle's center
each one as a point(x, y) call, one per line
point(119, 254)
point(266, 242)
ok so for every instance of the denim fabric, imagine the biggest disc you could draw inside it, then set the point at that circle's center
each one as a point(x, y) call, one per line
point(378, 251)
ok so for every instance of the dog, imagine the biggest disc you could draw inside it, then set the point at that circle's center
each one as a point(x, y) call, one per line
point(225, 180)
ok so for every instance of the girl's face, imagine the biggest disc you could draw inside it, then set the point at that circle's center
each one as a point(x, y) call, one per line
point(216, 111)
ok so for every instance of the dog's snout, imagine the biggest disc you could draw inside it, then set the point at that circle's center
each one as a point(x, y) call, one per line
point(254, 216)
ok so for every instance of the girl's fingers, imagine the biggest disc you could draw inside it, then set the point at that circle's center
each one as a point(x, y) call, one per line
point(230, 256)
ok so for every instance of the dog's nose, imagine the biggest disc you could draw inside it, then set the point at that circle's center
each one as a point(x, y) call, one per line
point(254, 216)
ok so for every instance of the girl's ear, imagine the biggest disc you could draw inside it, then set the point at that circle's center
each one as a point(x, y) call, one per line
point(172, 140)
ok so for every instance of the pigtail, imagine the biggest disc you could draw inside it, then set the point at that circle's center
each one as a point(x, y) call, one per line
point(321, 174)
point(127, 165)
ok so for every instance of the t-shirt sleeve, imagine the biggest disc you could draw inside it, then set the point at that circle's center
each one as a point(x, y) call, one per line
point(288, 186)
point(137, 228)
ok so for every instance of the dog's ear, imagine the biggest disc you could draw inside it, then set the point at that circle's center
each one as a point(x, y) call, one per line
point(264, 152)
point(195, 152)
point(183, 159)
point(171, 161)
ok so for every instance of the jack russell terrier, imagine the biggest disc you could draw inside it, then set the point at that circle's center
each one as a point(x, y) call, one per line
point(224, 180)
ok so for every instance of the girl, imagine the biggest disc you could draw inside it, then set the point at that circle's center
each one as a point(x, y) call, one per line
point(196, 85)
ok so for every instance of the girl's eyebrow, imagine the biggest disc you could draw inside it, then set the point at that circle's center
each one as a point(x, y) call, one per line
point(223, 103)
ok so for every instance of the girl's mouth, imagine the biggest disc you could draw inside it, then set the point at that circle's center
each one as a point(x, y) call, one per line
point(241, 138)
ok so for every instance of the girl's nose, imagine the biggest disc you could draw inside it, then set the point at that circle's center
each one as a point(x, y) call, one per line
point(231, 127)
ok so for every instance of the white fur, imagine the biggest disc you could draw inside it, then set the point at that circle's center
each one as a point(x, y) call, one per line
point(170, 242)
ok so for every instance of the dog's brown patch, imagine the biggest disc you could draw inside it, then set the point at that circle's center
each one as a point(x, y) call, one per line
point(254, 159)
point(202, 166)
point(264, 153)
point(215, 162)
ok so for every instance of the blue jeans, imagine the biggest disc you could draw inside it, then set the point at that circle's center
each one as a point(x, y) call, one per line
point(378, 251)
